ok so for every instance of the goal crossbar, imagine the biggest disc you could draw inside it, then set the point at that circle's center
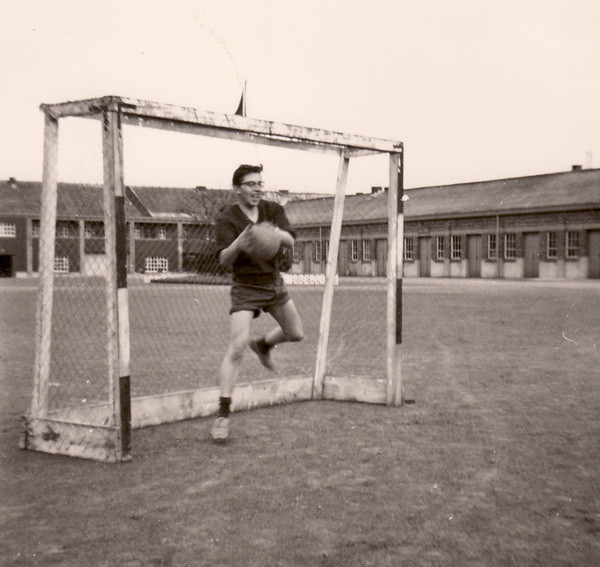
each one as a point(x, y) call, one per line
point(227, 126)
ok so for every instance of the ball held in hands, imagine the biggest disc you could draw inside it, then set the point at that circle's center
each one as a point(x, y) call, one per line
point(262, 241)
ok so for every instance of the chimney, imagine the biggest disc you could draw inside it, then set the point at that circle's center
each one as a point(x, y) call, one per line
point(577, 167)
point(376, 190)
point(13, 183)
point(284, 196)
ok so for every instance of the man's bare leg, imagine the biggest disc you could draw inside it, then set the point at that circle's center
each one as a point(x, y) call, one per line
point(289, 330)
point(230, 370)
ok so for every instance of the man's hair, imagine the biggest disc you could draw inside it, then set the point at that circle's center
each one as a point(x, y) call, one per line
point(243, 170)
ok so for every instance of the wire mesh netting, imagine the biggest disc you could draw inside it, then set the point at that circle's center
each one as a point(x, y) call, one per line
point(179, 295)
point(189, 311)
point(78, 374)
point(69, 251)
point(180, 320)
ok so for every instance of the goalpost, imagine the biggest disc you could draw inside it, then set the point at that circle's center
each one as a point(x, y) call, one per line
point(94, 417)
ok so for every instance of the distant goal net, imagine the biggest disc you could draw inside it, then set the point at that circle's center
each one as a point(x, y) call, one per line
point(132, 319)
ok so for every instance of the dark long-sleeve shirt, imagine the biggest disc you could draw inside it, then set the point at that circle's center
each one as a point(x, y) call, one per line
point(230, 224)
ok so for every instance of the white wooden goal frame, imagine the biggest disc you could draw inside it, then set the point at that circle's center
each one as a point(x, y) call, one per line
point(112, 441)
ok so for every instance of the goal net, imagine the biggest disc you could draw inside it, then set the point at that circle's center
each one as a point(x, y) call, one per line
point(133, 306)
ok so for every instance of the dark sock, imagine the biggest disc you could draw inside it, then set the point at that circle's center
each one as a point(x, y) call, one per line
point(224, 404)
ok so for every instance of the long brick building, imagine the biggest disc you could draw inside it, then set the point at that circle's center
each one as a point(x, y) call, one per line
point(543, 226)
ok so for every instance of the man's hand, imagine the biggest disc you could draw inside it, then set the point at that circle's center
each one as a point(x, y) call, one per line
point(286, 238)
point(243, 238)
point(228, 255)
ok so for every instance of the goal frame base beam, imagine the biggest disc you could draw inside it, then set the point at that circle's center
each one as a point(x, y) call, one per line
point(63, 433)
point(86, 441)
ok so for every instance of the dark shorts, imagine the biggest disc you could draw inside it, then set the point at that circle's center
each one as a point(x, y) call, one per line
point(258, 297)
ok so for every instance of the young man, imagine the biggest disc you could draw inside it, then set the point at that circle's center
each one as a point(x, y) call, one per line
point(257, 285)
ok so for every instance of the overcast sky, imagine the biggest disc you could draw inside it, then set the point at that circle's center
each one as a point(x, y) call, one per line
point(476, 89)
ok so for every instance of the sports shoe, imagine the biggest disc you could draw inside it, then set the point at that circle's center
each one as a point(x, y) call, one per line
point(263, 352)
point(220, 430)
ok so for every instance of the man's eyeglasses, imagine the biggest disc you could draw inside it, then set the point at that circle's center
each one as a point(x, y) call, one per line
point(253, 184)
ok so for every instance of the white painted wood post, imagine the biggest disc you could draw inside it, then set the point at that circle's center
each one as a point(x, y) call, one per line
point(39, 405)
point(116, 285)
point(334, 244)
point(394, 280)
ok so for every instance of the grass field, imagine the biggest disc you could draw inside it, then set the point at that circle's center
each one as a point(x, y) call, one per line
point(497, 463)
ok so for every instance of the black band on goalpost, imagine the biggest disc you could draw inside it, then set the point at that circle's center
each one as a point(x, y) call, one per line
point(124, 381)
point(121, 244)
point(400, 206)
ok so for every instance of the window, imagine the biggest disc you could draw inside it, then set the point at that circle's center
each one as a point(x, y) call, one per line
point(510, 246)
point(572, 244)
point(35, 228)
point(321, 251)
point(366, 250)
point(551, 245)
point(161, 233)
point(354, 250)
point(94, 237)
point(61, 265)
point(455, 247)
point(155, 264)
point(317, 251)
point(94, 246)
point(94, 229)
point(409, 248)
point(148, 231)
point(136, 232)
point(296, 252)
point(492, 247)
point(8, 229)
point(439, 247)
point(67, 229)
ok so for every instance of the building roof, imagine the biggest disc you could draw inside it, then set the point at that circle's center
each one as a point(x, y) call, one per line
point(82, 201)
point(555, 191)
point(197, 203)
point(178, 202)
point(22, 198)
point(74, 200)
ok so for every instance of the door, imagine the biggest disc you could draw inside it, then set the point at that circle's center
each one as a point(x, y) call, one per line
point(343, 258)
point(306, 258)
point(6, 266)
point(381, 252)
point(474, 255)
point(531, 253)
point(594, 254)
point(424, 256)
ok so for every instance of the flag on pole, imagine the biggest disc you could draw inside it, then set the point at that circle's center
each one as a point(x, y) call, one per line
point(241, 109)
